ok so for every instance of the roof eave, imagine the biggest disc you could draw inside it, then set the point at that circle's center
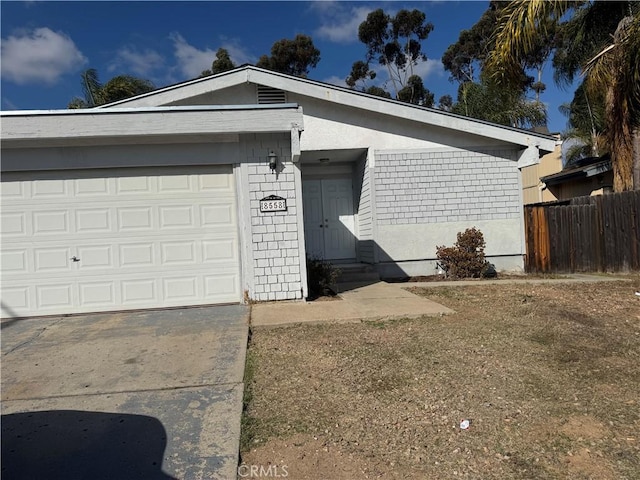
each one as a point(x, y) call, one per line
point(345, 96)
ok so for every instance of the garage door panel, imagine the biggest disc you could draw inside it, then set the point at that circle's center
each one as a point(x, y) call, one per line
point(93, 220)
point(13, 190)
point(175, 184)
point(136, 255)
point(217, 251)
point(178, 253)
point(221, 284)
point(135, 219)
point(94, 257)
point(54, 295)
point(217, 215)
point(101, 294)
point(92, 187)
point(52, 260)
point(219, 183)
point(16, 299)
point(147, 240)
point(134, 185)
point(51, 222)
point(176, 216)
point(137, 292)
point(41, 189)
point(183, 288)
point(13, 225)
point(15, 260)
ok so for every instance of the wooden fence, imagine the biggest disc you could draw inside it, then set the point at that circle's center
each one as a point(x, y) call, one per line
point(584, 234)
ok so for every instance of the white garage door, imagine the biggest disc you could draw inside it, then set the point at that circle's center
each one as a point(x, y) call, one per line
point(82, 241)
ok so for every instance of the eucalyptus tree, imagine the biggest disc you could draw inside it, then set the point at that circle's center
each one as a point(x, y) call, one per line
point(445, 103)
point(294, 57)
point(415, 92)
point(395, 43)
point(222, 63)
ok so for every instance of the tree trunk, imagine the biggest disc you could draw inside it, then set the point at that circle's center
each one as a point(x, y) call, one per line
point(636, 158)
point(621, 140)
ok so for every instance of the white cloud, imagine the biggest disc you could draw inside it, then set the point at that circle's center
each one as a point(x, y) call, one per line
point(429, 68)
point(339, 22)
point(140, 63)
point(192, 61)
point(335, 80)
point(39, 56)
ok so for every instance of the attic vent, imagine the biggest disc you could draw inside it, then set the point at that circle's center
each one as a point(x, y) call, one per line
point(270, 95)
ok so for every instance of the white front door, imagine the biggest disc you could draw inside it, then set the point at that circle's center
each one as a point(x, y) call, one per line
point(329, 223)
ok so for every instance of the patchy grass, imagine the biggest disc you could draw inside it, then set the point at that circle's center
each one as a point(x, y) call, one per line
point(548, 375)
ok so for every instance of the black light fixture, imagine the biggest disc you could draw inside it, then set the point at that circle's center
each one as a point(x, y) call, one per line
point(273, 161)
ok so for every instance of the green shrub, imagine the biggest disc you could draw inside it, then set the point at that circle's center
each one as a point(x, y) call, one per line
point(466, 258)
point(321, 275)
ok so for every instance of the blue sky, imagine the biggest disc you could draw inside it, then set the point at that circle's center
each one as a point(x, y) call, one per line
point(46, 45)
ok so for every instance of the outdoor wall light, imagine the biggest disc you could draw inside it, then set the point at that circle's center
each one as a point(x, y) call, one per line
point(324, 160)
point(273, 161)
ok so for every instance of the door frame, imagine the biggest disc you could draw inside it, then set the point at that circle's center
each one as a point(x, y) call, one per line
point(352, 256)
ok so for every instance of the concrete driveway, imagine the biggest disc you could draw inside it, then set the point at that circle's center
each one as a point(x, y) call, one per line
point(148, 395)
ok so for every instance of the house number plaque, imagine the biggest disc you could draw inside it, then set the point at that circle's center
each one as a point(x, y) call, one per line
point(273, 203)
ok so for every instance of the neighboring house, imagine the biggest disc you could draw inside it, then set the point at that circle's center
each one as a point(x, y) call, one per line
point(533, 189)
point(169, 198)
point(586, 176)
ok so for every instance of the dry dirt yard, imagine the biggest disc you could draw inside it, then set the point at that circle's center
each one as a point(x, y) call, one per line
point(548, 375)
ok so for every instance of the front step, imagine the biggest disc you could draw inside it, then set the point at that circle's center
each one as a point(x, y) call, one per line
point(357, 273)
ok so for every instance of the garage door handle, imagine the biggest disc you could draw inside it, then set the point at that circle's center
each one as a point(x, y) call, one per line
point(75, 259)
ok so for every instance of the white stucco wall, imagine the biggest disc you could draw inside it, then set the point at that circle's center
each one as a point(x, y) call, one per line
point(425, 197)
point(331, 126)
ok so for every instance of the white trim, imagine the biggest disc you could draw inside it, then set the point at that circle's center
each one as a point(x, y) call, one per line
point(523, 233)
point(244, 224)
point(150, 109)
point(52, 128)
point(529, 156)
point(302, 248)
point(295, 144)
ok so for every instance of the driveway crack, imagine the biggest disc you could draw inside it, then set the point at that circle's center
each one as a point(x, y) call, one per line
point(33, 338)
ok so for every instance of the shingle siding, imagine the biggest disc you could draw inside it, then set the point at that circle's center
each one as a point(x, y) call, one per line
point(275, 238)
point(365, 213)
point(446, 186)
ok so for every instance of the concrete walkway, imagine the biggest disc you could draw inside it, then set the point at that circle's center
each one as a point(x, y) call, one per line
point(149, 394)
point(379, 300)
point(382, 300)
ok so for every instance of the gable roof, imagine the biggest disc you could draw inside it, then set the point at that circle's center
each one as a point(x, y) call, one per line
point(340, 95)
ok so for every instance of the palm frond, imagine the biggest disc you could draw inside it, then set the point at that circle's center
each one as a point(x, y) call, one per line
point(517, 33)
point(91, 87)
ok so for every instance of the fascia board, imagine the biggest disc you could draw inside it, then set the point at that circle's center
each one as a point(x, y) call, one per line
point(57, 127)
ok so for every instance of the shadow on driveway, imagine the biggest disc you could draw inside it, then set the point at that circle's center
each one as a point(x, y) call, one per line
point(72, 444)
